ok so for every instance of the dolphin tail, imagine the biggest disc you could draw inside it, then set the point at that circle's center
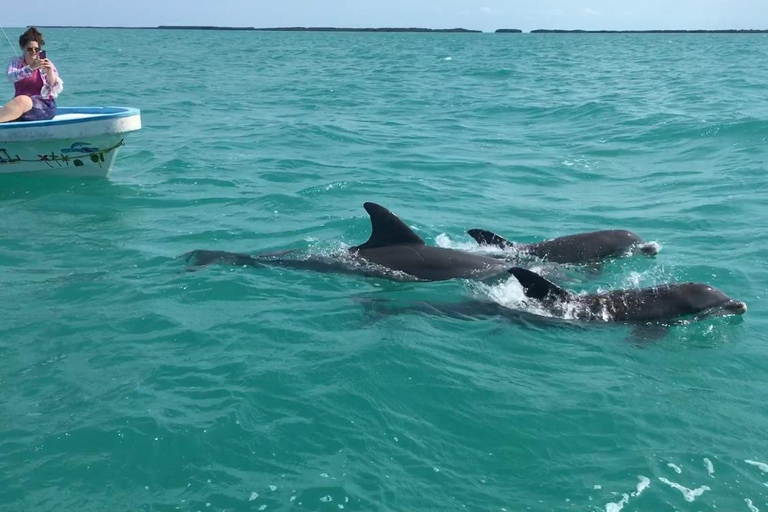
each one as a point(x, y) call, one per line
point(484, 237)
point(649, 248)
point(536, 287)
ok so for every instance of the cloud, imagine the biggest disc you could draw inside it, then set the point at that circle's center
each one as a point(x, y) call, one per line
point(591, 12)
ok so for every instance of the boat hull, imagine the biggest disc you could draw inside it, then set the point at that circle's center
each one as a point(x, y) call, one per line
point(79, 141)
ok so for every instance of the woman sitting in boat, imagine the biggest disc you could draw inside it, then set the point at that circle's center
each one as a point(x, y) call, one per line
point(36, 81)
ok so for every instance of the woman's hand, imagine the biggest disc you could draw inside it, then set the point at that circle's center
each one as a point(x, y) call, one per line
point(36, 63)
point(47, 66)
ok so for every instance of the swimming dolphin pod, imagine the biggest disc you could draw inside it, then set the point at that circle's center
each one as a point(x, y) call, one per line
point(661, 303)
point(393, 251)
point(580, 248)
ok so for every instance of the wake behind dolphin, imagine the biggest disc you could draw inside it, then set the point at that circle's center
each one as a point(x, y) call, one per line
point(393, 251)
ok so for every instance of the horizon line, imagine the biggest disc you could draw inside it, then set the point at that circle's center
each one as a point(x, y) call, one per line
point(407, 29)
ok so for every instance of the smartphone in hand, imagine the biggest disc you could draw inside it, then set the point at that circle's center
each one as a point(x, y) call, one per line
point(42, 54)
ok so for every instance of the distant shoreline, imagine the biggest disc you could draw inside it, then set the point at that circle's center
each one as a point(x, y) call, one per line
point(278, 29)
point(419, 30)
point(659, 31)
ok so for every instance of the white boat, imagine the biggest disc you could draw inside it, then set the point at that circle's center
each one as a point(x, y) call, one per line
point(79, 141)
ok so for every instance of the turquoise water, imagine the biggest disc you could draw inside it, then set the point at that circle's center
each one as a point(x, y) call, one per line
point(129, 384)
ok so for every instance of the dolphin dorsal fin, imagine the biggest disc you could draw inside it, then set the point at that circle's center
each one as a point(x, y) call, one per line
point(387, 229)
point(536, 287)
point(484, 237)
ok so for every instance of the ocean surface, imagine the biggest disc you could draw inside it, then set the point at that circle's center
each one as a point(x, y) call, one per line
point(130, 384)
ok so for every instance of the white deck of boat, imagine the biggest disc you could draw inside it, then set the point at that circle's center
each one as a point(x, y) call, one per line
point(64, 117)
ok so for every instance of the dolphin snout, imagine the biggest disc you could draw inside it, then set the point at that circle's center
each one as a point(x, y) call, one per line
point(649, 248)
point(737, 307)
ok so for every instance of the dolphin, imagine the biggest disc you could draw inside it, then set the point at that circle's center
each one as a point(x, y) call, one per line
point(580, 248)
point(669, 302)
point(648, 311)
point(393, 251)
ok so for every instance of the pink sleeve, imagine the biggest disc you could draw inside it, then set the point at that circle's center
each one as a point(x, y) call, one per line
point(17, 70)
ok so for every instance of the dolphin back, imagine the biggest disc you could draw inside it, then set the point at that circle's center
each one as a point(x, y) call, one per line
point(586, 247)
point(578, 248)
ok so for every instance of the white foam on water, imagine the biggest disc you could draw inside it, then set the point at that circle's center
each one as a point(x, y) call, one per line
point(642, 484)
point(616, 507)
point(272, 488)
point(510, 294)
point(710, 467)
point(326, 499)
point(254, 495)
point(447, 58)
point(762, 466)
point(445, 241)
point(675, 468)
point(750, 505)
point(634, 278)
point(688, 494)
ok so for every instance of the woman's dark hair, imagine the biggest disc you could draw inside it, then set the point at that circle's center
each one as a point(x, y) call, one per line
point(32, 34)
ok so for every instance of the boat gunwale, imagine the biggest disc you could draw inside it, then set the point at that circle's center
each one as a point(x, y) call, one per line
point(94, 114)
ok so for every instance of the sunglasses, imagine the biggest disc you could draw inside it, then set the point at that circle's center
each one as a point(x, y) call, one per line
point(32, 50)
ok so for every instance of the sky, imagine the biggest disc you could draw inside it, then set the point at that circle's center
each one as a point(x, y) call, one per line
point(485, 15)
